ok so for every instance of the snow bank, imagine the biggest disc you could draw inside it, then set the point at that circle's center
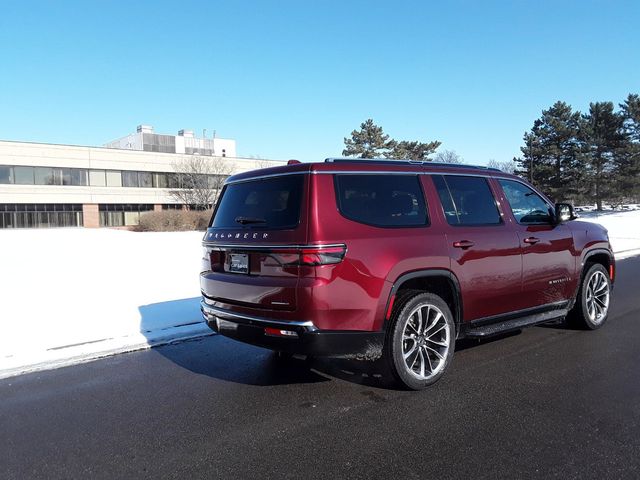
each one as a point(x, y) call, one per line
point(74, 294)
point(70, 295)
point(623, 227)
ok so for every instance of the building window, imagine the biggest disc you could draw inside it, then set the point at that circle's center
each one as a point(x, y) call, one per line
point(74, 176)
point(23, 175)
point(97, 178)
point(160, 180)
point(6, 175)
point(48, 176)
point(145, 179)
point(120, 215)
point(40, 215)
point(130, 179)
point(114, 178)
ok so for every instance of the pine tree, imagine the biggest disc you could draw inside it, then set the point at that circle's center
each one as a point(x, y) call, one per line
point(405, 150)
point(627, 163)
point(368, 142)
point(551, 153)
point(602, 141)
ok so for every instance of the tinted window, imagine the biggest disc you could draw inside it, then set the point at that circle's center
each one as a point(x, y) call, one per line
point(272, 203)
point(527, 206)
point(382, 200)
point(129, 179)
point(6, 174)
point(467, 200)
point(23, 175)
point(144, 179)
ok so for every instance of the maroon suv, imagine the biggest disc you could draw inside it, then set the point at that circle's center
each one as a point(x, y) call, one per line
point(370, 258)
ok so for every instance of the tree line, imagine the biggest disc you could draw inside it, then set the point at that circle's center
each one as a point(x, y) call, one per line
point(591, 157)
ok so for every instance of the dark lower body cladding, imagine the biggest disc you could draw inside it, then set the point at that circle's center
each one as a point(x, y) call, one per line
point(293, 337)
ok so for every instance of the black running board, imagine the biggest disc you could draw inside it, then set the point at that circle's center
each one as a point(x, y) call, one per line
point(483, 331)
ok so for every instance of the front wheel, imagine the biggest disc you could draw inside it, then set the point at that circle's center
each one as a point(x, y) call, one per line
point(592, 305)
point(421, 340)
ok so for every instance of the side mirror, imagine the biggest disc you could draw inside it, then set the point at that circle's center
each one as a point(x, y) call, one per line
point(564, 212)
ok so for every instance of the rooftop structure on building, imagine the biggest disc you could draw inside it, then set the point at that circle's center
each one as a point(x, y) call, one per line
point(185, 142)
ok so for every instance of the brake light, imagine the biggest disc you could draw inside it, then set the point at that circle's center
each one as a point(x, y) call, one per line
point(308, 256)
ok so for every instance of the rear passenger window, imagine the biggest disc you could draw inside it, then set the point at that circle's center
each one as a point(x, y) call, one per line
point(381, 200)
point(467, 200)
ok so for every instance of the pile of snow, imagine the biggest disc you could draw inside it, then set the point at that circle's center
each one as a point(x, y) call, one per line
point(623, 227)
point(75, 294)
point(69, 295)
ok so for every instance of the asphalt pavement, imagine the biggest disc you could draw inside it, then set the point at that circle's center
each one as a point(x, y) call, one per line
point(549, 402)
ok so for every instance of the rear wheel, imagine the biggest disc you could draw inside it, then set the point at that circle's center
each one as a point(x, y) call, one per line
point(421, 340)
point(592, 305)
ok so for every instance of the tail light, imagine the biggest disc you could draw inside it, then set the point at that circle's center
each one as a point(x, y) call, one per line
point(308, 256)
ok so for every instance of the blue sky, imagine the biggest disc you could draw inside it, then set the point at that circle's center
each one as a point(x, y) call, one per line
point(290, 79)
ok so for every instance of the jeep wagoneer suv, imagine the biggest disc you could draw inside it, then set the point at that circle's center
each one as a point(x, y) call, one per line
point(398, 259)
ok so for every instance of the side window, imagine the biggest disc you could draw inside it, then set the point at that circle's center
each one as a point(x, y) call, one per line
point(527, 206)
point(467, 200)
point(381, 200)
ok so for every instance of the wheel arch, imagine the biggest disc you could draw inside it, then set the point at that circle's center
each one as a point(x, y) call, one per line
point(597, 255)
point(439, 281)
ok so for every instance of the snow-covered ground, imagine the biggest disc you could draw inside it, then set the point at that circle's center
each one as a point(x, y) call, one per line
point(75, 294)
point(623, 227)
point(69, 295)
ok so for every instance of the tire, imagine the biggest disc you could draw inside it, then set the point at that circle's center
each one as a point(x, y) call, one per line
point(591, 310)
point(420, 340)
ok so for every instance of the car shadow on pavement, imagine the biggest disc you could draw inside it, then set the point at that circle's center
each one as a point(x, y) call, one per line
point(225, 359)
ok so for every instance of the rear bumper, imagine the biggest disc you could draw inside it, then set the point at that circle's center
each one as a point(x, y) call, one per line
point(305, 339)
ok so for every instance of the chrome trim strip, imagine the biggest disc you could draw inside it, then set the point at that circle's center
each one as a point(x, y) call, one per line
point(260, 177)
point(268, 247)
point(225, 314)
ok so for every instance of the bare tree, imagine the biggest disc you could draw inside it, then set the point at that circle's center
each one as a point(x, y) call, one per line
point(198, 180)
point(262, 163)
point(447, 156)
point(507, 167)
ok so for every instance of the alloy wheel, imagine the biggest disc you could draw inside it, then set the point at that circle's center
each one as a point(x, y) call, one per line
point(426, 341)
point(597, 297)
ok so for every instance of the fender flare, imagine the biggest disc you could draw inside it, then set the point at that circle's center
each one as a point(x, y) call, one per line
point(589, 253)
point(429, 272)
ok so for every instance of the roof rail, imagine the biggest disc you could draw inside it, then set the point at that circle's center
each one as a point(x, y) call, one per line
point(391, 161)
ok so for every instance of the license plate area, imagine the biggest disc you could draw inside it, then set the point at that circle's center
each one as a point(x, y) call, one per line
point(238, 263)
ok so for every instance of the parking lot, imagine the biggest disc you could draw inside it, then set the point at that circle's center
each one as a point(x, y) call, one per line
point(547, 402)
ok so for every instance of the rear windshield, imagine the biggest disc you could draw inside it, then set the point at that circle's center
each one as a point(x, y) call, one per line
point(271, 203)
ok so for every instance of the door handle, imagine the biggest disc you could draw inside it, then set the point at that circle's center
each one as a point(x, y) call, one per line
point(464, 244)
point(531, 240)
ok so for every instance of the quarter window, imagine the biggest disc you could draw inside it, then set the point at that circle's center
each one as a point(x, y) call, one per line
point(527, 206)
point(382, 200)
point(467, 200)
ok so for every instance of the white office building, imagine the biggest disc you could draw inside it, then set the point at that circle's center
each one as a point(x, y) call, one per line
point(48, 185)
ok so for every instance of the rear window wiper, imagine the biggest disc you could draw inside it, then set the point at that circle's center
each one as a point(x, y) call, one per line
point(247, 220)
